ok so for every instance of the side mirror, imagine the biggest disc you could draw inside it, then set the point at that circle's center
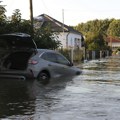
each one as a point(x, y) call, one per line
point(70, 64)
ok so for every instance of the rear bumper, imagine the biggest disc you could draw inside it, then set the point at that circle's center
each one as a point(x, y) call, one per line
point(13, 77)
point(16, 74)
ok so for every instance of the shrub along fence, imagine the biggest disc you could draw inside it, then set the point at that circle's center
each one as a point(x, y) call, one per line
point(77, 56)
point(74, 55)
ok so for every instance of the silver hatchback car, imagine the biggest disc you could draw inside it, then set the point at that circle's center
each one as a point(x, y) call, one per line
point(20, 58)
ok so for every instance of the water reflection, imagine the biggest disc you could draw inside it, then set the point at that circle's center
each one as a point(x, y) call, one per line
point(104, 70)
point(21, 99)
point(16, 98)
point(93, 95)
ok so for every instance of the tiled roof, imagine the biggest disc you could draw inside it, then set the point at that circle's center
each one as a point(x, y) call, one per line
point(56, 26)
point(115, 40)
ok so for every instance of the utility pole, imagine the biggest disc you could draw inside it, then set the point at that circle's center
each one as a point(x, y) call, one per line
point(31, 16)
point(63, 18)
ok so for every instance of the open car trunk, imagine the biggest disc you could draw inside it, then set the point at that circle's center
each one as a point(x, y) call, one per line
point(15, 51)
point(16, 60)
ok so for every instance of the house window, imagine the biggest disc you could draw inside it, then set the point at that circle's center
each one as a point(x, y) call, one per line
point(77, 43)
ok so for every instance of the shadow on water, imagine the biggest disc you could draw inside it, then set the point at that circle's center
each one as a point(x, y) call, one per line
point(15, 98)
point(18, 98)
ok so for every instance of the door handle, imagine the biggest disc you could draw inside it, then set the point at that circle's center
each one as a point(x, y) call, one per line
point(49, 65)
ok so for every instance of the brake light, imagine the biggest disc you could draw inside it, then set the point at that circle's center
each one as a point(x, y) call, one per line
point(33, 62)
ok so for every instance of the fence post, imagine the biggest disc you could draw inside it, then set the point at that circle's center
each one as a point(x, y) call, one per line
point(107, 53)
point(72, 55)
point(93, 55)
point(100, 54)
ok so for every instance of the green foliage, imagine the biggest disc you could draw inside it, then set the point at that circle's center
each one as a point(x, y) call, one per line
point(45, 38)
point(95, 33)
point(16, 24)
point(94, 26)
point(16, 17)
point(2, 13)
point(22, 26)
point(93, 46)
point(114, 28)
point(66, 53)
point(95, 41)
point(77, 54)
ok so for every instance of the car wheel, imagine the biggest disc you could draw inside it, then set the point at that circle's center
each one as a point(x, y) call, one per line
point(44, 77)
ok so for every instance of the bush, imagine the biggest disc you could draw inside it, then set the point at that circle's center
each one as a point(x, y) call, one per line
point(77, 54)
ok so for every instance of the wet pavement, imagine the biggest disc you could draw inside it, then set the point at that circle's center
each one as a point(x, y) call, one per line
point(93, 95)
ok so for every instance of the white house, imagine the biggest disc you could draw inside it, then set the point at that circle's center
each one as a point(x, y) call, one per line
point(68, 36)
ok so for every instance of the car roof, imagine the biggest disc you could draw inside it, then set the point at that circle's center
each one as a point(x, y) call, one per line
point(16, 34)
point(46, 50)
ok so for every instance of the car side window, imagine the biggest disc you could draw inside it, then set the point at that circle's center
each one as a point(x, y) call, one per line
point(55, 57)
point(49, 56)
point(62, 60)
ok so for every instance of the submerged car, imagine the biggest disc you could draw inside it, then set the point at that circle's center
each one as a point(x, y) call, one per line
point(20, 58)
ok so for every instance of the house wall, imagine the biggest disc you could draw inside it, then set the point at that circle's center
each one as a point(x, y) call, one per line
point(74, 40)
point(62, 37)
point(69, 40)
point(115, 44)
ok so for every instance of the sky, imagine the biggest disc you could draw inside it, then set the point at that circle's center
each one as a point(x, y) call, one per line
point(71, 12)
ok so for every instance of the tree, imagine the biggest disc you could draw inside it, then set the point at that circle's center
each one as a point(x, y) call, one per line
point(95, 41)
point(95, 33)
point(2, 18)
point(16, 24)
point(2, 13)
point(114, 28)
point(45, 38)
point(16, 17)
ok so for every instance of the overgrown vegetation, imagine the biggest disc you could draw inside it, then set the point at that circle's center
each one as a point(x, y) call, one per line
point(77, 54)
point(44, 37)
point(97, 31)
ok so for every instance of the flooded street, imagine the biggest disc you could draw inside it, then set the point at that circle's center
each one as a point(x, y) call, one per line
point(93, 95)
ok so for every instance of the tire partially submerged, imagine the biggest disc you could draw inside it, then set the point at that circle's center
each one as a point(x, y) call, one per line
point(44, 77)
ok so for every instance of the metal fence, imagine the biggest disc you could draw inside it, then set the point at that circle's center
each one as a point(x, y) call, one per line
point(79, 55)
point(91, 55)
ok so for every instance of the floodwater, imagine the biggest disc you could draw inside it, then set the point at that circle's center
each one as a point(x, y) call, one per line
point(93, 95)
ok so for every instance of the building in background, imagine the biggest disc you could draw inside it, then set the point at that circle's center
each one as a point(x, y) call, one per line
point(114, 43)
point(69, 37)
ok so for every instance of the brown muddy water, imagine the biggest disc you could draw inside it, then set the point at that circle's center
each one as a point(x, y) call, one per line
point(93, 95)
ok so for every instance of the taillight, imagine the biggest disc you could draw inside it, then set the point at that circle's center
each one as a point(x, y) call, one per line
point(33, 62)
